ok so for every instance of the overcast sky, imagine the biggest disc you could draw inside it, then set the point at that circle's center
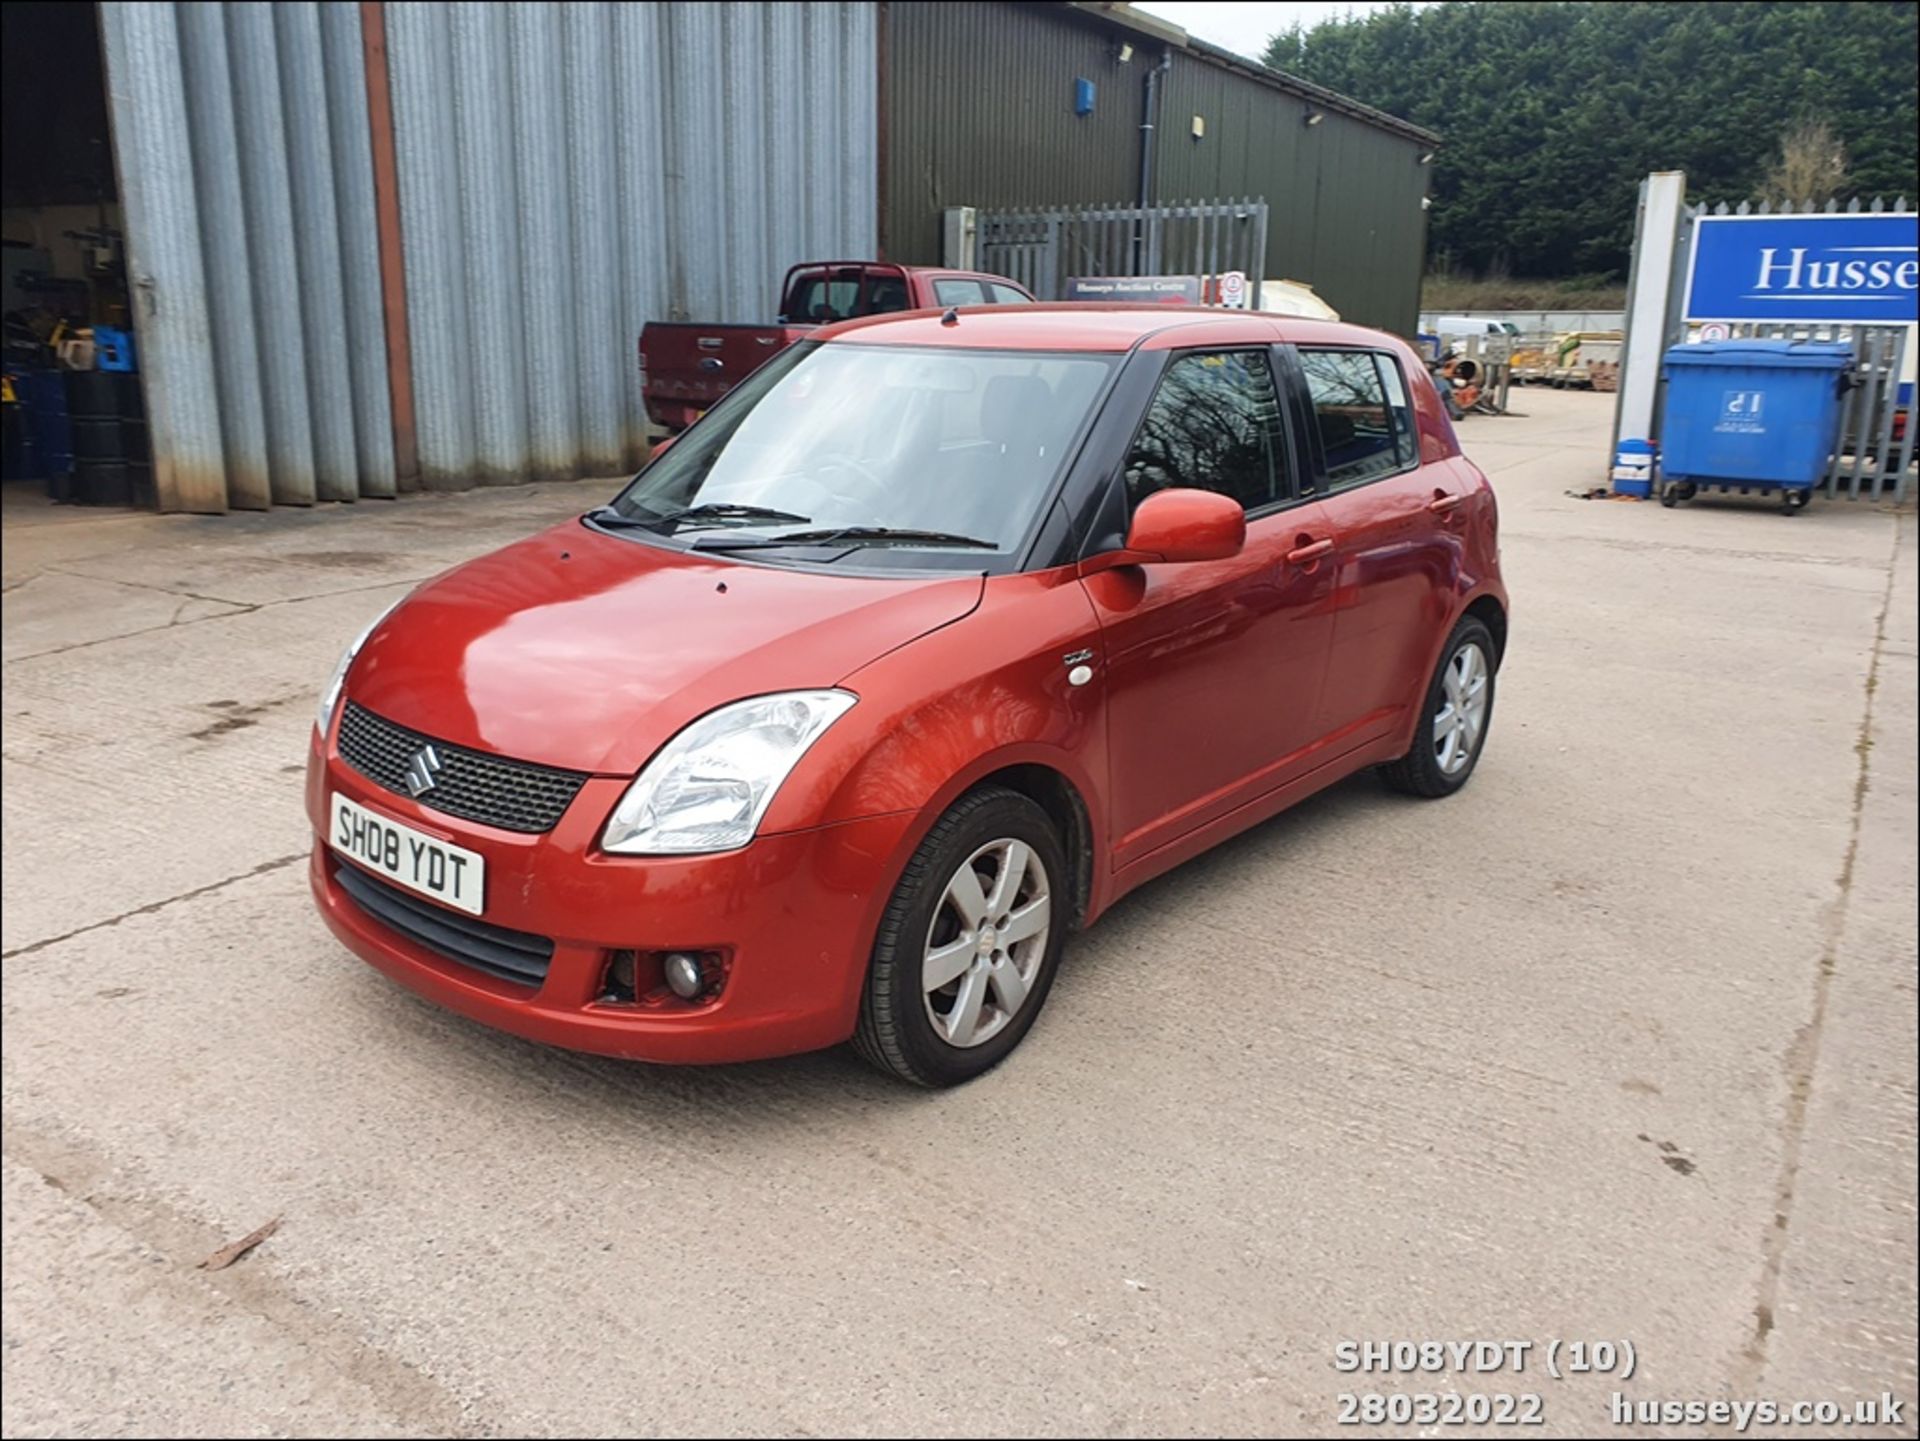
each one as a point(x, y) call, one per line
point(1244, 25)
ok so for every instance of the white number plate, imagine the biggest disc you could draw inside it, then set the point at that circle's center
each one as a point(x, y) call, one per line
point(412, 858)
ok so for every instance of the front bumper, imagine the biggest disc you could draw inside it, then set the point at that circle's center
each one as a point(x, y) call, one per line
point(793, 916)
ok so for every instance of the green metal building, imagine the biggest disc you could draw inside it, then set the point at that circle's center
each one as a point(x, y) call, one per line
point(981, 106)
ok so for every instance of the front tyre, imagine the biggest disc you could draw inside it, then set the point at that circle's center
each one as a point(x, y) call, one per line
point(1454, 719)
point(968, 944)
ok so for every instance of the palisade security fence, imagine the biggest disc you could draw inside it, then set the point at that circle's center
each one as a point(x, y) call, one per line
point(1043, 249)
point(1874, 457)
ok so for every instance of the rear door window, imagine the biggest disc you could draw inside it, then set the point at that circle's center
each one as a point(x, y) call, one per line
point(1214, 424)
point(1007, 295)
point(1358, 438)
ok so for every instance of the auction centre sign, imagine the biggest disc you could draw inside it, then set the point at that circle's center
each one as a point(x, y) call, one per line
point(1763, 268)
point(1138, 289)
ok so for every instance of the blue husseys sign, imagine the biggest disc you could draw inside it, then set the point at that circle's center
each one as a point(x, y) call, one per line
point(1805, 267)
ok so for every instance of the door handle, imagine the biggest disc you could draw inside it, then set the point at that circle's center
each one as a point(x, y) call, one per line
point(1307, 554)
point(1443, 502)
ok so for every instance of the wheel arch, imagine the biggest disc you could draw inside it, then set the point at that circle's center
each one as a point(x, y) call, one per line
point(1056, 794)
point(1054, 781)
point(1488, 610)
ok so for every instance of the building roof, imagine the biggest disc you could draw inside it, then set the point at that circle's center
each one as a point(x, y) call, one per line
point(1126, 17)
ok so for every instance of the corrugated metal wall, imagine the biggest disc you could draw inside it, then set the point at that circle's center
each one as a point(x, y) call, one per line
point(1343, 196)
point(240, 138)
point(980, 112)
point(570, 171)
point(981, 107)
point(567, 172)
point(146, 99)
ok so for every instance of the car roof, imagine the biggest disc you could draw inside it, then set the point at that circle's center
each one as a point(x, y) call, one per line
point(1092, 327)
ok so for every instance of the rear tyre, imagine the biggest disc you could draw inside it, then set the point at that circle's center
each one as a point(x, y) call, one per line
point(968, 945)
point(1454, 719)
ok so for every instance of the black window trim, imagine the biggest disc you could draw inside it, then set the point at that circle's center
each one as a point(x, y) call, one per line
point(1323, 486)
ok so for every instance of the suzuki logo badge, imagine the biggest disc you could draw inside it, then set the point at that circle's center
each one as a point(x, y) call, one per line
point(422, 770)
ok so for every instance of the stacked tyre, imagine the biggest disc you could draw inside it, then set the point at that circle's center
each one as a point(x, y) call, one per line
point(111, 462)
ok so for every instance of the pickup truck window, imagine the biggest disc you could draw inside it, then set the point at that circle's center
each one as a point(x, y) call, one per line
point(824, 297)
point(959, 292)
point(887, 293)
point(1007, 295)
point(959, 442)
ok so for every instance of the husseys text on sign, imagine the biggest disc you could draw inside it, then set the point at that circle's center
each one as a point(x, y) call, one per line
point(1861, 268)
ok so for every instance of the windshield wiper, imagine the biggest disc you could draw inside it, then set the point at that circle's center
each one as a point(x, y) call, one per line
point(674, 519)
point(721, 510)
point(848, 535)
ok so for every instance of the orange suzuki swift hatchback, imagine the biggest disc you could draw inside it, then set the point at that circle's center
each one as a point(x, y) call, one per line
point(936, 636)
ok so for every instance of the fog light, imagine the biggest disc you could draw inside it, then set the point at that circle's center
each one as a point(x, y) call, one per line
point(684, 976)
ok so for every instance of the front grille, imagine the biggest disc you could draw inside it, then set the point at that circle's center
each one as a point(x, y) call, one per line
point(511, 955)
point(513, 795)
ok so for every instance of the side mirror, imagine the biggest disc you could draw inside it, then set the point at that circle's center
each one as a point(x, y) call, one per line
point(1171, 526)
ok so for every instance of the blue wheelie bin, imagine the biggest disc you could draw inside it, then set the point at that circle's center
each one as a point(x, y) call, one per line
point(1752, 415)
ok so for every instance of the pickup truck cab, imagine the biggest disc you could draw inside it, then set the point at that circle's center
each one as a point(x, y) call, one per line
point(685, 366)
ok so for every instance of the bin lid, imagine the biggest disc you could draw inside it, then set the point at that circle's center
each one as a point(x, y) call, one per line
point(1765, 354)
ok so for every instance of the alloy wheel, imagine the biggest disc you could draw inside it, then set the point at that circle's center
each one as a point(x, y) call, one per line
point(986, 942)
point(1462, 717)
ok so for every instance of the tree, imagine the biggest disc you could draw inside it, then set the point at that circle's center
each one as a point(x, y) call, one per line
point(1811, 168)
point(1551, 111)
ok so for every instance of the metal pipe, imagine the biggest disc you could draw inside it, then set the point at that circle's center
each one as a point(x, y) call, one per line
point(1147, 117)
point(393, 273)
point(1146, 135)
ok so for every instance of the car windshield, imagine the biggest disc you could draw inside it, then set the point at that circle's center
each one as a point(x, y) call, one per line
point(873, 447)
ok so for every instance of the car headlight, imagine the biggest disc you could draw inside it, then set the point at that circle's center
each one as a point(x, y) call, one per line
point(709, 786)
point(330, 693)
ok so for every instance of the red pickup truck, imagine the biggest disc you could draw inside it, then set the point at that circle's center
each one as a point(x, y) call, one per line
point(686, 366)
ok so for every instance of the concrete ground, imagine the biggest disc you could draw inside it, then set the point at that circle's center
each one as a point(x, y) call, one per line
point(1619, 1044)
